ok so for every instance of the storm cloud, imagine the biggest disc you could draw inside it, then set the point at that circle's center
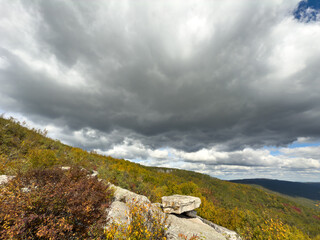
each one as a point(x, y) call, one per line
point(189, 76)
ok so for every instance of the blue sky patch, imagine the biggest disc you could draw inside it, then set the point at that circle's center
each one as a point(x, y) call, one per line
point(308, 11)
point(304, 144)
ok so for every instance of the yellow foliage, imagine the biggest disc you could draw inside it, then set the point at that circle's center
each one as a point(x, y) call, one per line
point(145, 223)
point(42, 158)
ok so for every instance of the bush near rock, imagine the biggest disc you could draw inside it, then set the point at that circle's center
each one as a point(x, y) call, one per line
point(142, 221)
point(53, 204)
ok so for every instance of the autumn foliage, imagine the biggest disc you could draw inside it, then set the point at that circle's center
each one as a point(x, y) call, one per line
point(145, 223)
point(53, 204)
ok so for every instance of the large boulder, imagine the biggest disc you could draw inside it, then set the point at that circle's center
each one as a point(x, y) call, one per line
point(179, 203)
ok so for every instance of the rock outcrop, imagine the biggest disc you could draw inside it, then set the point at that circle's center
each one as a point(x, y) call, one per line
point(118, 212)
point(229, 234)
point(119, 209)
point(179, 203)
point(124, 195)
point(191, 227)
point(179, 223)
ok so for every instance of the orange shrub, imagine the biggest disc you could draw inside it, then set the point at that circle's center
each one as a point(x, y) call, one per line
point(53, 204)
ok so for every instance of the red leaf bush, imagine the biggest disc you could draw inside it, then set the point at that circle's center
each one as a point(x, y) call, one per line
point(53, 204)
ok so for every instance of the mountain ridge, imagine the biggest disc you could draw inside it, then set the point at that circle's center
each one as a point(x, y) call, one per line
point(310, 190)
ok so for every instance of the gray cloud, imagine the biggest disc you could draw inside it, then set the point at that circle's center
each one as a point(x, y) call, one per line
point(186, 75)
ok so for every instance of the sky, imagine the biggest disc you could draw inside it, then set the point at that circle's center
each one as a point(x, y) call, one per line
point(227, 88)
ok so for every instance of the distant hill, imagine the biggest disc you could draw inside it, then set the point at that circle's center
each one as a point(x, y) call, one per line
point(294, 189)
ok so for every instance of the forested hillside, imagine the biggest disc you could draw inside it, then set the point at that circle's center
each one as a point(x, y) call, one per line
point(252, 212)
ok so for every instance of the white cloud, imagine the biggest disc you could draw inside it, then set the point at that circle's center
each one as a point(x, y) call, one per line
point(312, 152)
point(291, 163)
point(293, 47)
point(201, 85)
point(130, 149)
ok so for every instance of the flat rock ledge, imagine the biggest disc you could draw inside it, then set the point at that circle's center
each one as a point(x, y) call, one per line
point(179, 203)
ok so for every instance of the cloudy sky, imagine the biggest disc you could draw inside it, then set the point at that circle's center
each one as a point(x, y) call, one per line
point(228, 88)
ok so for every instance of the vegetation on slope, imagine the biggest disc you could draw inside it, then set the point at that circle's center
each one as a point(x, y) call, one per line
point(252, 212)
point(53, 204)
